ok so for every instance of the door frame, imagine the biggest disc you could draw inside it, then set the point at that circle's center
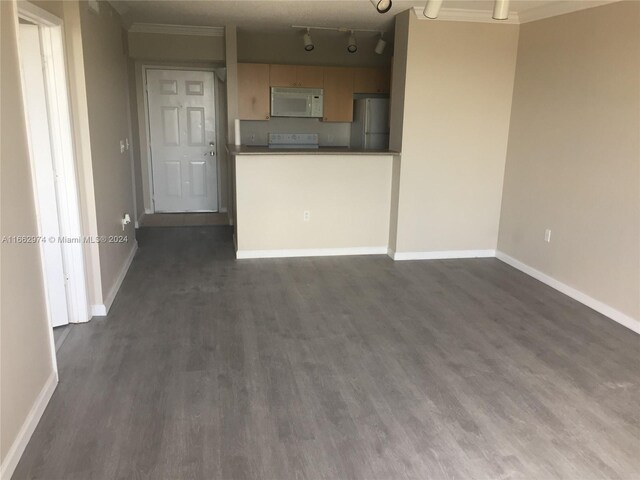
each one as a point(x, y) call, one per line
point(63, 154)
point(145, 139)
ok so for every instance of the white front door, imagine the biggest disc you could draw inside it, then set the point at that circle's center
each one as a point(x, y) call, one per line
point(183, 150)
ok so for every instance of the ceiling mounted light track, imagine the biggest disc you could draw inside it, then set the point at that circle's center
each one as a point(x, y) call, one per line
point(432, 8)
point(500, 9)
point(308, 43)
point(352, 46)
point(382, 6)
point(380, 45)
point(352, 42)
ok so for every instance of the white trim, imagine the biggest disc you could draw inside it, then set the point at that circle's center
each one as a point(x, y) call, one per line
point(28, 427)
point(442, 254)
point(606, 310)
point(559, 7)
point(162, 28)
point(65, 162)
point(310, 252)
point(98, 310)
point(62, 153)
point(102, 310)
point(465, 15)
point(37, 15)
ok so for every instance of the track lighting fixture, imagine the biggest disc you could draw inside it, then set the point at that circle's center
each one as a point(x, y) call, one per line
point(352, 43)
point(382, 6)
point(308, 43)
point(380, 45)
point(352, 46)
point(501, 10)
point(432, 8)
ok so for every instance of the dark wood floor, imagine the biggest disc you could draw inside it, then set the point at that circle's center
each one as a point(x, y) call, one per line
point(337, 368)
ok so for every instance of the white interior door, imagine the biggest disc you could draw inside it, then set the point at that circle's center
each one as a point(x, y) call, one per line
point(44, 173)
point(182, 130)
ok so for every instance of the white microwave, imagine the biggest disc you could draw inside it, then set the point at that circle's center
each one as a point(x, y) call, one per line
point(296, 102)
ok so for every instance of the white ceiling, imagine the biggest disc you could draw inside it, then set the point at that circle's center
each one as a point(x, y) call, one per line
point(278, 15)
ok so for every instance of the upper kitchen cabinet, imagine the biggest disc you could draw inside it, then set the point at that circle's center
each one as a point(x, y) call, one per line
point(253, 91)
point(296, 76)
point(371, 80)
point(338, 94)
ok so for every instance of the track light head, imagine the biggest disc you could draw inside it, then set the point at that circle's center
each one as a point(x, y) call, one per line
point(501, 10)
point(352, 46)
point(380, 45)
point(308, 43)
point(382, 6)
point(432, 8)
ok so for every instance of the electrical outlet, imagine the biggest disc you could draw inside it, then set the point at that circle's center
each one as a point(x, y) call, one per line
point(306, 215)
point(121, 146)
point(547, 235)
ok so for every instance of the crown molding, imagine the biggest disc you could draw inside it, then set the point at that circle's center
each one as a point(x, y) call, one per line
point(201, 31)
point(559, 7)
point(466, 15)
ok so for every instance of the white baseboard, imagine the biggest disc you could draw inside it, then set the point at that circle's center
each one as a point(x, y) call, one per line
point(98, 310)
point(310, 252)
point(102, 310)
point(597, 305)
point(28, 427)
point(442, 254)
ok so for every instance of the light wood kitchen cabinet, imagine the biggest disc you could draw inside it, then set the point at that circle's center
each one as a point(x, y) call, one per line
point(371, 80)
point(338, 94)
point(296, 76)
point(253, 91)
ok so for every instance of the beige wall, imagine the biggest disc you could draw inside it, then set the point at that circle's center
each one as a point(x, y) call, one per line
point(458, 87)
point(348, 197)
point(106, 83)
point(398, 80)
point(135, 138)
point(396, 107)
point(25, 350)
point(331, 49)
point(573, 163)
point(180, 48)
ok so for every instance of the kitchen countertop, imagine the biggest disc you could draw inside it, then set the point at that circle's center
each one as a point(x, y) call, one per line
point(263, 150)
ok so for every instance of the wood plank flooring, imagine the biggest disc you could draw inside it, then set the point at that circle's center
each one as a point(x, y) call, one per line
point(337, 368)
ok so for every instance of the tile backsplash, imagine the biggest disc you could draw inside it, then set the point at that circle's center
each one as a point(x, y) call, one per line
point(330, 134)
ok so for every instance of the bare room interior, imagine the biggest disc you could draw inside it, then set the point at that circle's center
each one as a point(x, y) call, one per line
point(365, 239)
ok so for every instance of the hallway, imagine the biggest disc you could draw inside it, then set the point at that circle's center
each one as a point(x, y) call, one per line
point(341, 367)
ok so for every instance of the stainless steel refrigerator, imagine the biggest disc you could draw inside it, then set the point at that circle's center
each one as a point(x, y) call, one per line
point(370, 127)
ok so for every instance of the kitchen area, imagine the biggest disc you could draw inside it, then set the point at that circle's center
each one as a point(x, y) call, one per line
point(311, 162)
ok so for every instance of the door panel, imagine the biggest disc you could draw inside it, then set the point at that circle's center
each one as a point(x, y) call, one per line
point(195, 126)
point(182, 130)
point(198, 173)
point(170, 127)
